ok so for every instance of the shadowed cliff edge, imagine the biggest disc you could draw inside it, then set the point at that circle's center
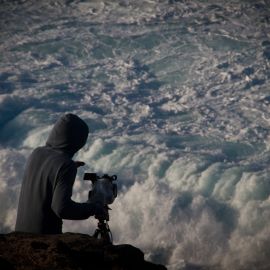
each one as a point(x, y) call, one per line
point(68, 251)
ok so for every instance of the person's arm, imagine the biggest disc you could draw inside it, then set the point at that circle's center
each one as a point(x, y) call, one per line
point(62, 204)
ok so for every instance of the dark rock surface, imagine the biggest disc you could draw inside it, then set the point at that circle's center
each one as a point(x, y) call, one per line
point(67, 251)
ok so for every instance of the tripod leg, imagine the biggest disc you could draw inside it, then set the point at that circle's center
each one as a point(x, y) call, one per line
point(103, 232)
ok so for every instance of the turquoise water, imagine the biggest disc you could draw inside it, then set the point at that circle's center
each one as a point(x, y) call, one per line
point(176, 95)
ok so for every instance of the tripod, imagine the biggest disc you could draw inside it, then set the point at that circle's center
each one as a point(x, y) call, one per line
point(103, 231)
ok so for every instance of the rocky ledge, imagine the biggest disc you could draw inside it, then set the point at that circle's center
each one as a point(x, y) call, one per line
point(68, 251)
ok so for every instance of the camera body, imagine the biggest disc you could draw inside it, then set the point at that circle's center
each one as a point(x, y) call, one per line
point(104, 188)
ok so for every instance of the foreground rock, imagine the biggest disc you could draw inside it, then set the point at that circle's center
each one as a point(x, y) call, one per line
point(67, 251)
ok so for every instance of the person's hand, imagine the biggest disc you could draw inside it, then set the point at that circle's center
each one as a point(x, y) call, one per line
point(79, 163)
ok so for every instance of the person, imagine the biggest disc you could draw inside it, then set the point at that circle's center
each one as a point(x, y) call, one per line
point(50, 172)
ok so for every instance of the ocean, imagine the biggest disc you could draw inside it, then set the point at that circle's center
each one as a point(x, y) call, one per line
point(176, 94)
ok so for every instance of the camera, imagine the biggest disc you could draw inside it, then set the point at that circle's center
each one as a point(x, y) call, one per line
point(104, 188)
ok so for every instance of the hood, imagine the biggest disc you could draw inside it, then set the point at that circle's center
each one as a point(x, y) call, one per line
point(69, 134)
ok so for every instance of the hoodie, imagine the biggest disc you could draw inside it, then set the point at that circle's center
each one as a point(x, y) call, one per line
point(50, 172)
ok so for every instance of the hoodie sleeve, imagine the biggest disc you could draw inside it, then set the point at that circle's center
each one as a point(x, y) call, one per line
point(62, 204)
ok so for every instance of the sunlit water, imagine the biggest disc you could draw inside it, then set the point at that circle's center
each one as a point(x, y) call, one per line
point(176, 94)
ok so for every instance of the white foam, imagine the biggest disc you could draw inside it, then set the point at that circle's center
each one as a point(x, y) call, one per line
point(11, 167)
point(37, 137)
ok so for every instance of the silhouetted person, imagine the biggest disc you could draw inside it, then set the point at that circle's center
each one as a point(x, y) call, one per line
point(48, 179)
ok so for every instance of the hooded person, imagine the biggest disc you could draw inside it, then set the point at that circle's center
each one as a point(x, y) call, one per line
point(50, 172)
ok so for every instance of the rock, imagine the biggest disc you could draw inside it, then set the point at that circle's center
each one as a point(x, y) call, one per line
point(68, 251)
